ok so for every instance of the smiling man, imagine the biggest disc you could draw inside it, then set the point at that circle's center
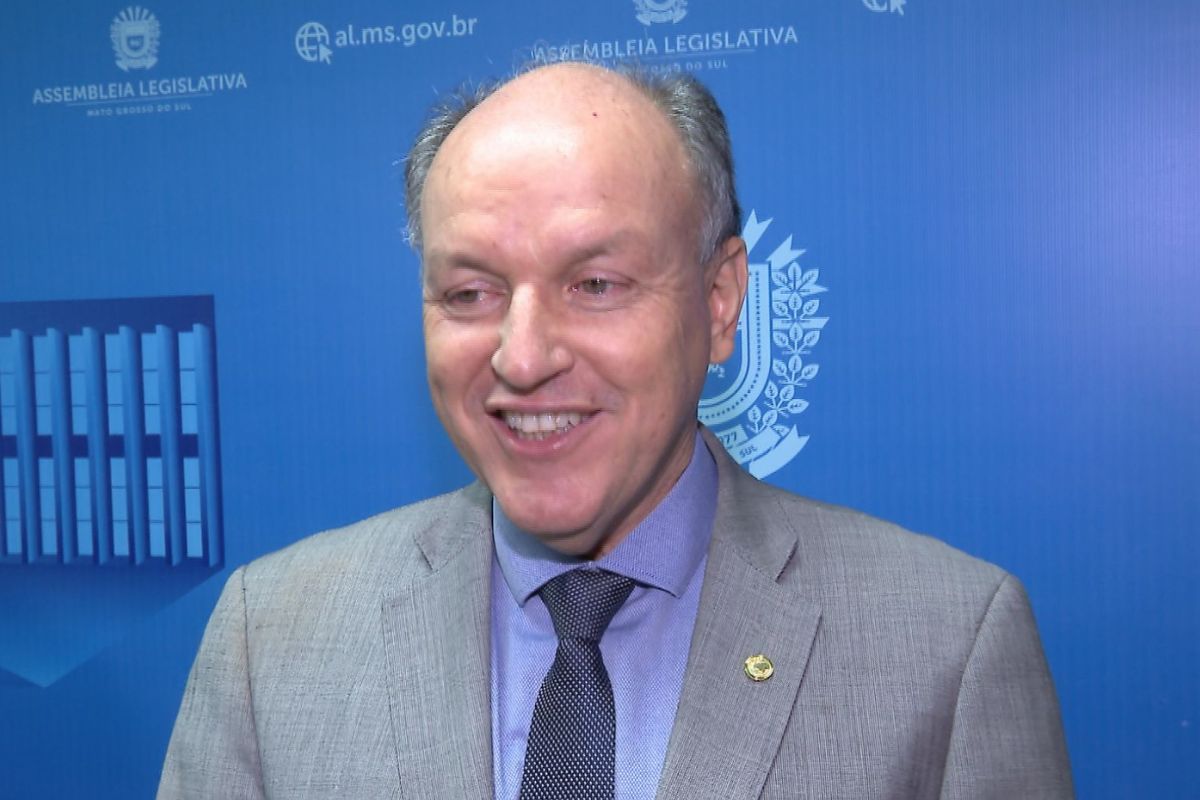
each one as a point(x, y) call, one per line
point(614, 610)
point(571, 308)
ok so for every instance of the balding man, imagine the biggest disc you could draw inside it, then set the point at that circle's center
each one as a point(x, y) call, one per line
point(614, 609)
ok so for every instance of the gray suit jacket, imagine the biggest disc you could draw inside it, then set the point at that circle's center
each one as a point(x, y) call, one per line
point(355, 664)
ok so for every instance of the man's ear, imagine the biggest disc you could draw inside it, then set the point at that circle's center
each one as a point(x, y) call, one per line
point(726, 277)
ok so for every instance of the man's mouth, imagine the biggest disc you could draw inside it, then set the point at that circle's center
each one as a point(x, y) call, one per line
point(541, 426)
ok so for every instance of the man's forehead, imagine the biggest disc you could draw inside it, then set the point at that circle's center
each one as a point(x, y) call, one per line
point(563, 107)
point(563, 139)
point(568, 87)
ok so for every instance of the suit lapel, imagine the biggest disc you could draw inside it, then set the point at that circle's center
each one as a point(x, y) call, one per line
point(436, 635)
point(728, 728)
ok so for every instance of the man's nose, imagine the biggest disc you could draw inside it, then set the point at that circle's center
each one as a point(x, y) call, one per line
point(531, 350)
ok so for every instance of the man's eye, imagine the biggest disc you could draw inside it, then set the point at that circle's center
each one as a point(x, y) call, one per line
point(594, 286)
point(465, 297)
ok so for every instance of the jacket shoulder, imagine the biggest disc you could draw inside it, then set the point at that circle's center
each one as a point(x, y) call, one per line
point(849, 558)
point(379, 550)
point(856, 536)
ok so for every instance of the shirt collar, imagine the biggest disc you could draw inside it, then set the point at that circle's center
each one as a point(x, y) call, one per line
point(663, 551)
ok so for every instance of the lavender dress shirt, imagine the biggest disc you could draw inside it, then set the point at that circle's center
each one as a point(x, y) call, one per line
point(645, 648)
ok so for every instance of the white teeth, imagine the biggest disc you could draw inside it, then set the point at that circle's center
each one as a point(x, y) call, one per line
point(539, 426)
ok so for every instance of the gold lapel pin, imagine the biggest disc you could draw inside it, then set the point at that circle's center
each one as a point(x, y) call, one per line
point(759, 668)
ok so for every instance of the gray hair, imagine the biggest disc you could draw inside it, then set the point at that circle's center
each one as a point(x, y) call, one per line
point(684, 101)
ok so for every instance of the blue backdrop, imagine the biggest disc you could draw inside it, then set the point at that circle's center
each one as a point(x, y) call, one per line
point(975, 231)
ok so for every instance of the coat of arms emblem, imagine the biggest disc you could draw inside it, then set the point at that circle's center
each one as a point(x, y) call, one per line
point(134, 34)
point(651, 11)
point(752, 401)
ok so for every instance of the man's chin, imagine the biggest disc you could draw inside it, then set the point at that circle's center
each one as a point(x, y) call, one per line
point(571, 534)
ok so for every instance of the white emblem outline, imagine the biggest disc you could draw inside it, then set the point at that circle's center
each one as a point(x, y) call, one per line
point(884, 6)
point(129, 24)
point(650, 12)
point(778, 327)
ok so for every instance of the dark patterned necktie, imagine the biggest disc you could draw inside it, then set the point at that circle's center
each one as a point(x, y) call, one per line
point(573, 736)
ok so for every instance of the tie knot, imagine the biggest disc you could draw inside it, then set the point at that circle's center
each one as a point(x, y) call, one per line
point(583, 601)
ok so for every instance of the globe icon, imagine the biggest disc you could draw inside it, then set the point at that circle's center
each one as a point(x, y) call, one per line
point(312, 42)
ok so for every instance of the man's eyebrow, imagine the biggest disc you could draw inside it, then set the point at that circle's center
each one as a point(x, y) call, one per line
point(610, 244)
point(454, 259)
point(606, 246)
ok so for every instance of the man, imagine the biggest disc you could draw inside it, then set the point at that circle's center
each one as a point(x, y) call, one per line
point(581, 268)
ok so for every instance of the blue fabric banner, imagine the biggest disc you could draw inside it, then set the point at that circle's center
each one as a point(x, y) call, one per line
point(973, 240)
